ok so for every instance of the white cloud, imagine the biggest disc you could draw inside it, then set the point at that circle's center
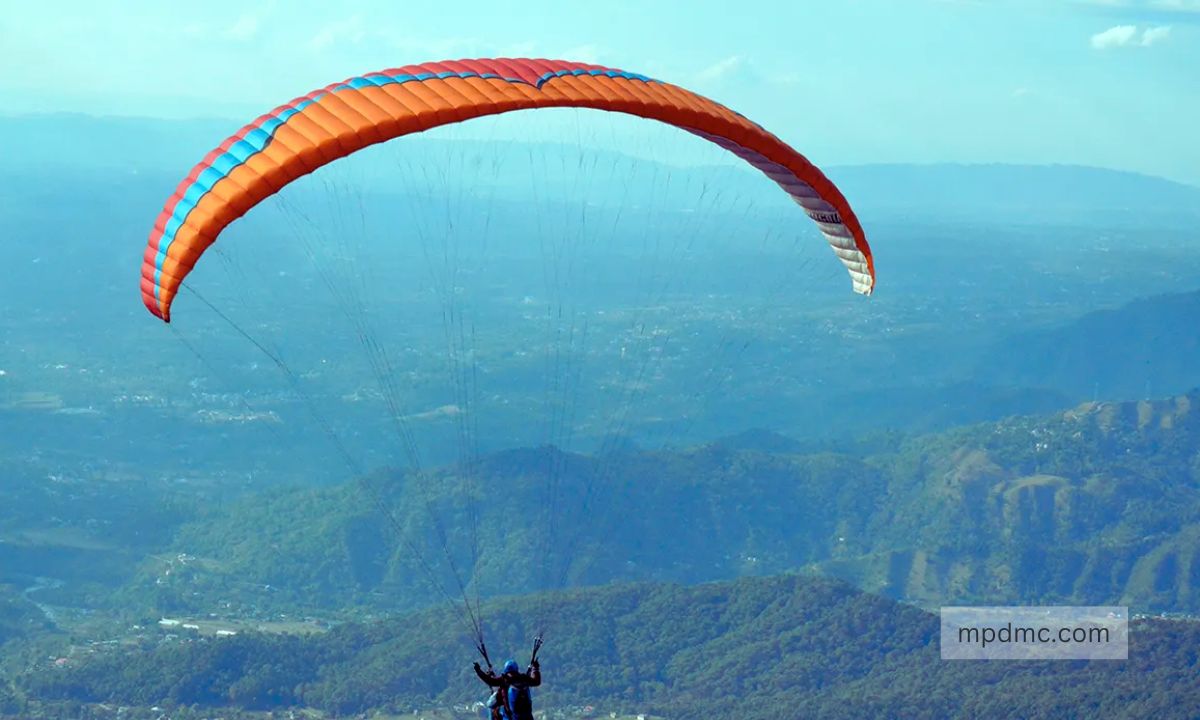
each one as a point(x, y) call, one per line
point(787, 78)
point(1140, 6)
point(721, 69)
point(1128, 36)
point(589, 54)
point(1117, 36)
point(737, 70)
point(1155, 34)
point(360, 36)
point(524, 49)
point(1183, 6)
point(347, 30)
point(194, 30)
point(244, 29)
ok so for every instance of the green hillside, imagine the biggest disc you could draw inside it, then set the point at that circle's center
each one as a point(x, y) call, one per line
point(1100, 504)
point(757, 648)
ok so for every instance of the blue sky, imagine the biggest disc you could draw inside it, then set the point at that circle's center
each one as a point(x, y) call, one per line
point(1112, 83)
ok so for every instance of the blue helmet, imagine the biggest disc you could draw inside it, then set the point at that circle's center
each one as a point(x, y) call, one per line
point(511, 666)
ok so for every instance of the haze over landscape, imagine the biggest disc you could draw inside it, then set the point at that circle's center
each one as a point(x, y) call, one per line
point(585, 377)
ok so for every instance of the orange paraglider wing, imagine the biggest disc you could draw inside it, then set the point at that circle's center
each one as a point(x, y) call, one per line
point(335, 121)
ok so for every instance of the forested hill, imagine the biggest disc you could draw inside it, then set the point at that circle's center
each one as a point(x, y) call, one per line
point(1097, 505)
point(1099, 502)
point(763, 648)
point(18, 616)
point(1146, 348)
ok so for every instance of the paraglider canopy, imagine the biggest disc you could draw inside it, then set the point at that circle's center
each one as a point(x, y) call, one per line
point(329, 123)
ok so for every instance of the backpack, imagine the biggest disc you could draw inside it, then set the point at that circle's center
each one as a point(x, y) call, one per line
point(520, 697)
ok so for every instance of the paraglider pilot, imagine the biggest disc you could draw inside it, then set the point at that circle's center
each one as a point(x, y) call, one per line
point(511, 699)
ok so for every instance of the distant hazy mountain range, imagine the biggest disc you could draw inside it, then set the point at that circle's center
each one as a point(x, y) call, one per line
point(1015, 193)
point(1147, 348)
